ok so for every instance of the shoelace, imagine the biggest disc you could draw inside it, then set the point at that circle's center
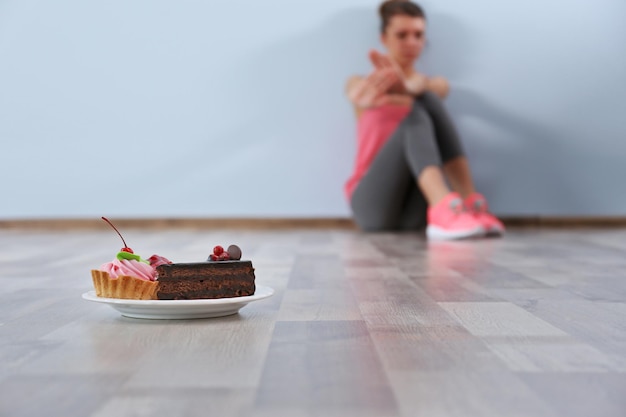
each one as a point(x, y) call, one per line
point(456, 206)
point(480, 206)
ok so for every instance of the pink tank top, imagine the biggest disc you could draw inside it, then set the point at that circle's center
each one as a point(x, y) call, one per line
point(374, 127)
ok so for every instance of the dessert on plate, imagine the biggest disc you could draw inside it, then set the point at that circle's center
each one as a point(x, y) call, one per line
point(128, 276)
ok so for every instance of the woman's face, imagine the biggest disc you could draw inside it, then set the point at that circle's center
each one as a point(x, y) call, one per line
point(404, 38)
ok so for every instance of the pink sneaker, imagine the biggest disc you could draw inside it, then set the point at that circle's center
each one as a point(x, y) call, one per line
point(477, 205)
point(448, 220)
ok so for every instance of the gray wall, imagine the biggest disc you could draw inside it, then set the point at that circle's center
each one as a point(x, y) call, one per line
point(152, 108)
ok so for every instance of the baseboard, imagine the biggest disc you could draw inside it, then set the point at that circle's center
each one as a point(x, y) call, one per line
point(182, 223)
point(565, 222)
point(339, 223)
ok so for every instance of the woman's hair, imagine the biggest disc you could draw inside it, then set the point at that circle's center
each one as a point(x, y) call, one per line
point(391, 8)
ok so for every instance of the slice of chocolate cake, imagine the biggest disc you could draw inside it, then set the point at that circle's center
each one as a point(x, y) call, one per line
point(190, 281)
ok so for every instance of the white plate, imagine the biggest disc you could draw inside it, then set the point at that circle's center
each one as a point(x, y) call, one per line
point(180, 309)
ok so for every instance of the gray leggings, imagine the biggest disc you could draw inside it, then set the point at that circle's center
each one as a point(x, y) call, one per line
point(388, 197)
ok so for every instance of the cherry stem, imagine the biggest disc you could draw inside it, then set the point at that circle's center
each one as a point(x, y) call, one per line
point(107, 220)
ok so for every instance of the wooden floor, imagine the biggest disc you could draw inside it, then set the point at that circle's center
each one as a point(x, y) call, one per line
point(360, 325)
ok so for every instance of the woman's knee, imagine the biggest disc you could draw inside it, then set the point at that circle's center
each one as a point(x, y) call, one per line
point(431, 100)
point(418, 117)
point(418, 127)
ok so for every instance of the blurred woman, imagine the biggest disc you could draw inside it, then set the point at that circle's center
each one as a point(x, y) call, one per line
point(407, 145)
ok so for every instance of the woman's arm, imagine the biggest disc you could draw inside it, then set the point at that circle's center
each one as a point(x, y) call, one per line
point(371, 91)
point(357, 86)
point(374, 91)
point(417, 83)
point(353, 85)
point(439, 86)
point(414, 83)
point(399, 99)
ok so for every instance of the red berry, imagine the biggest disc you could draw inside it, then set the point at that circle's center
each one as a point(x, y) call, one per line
point(213, 257)
point(156, 260)
point(218, 250)
point(129, 250)
point(224, 256)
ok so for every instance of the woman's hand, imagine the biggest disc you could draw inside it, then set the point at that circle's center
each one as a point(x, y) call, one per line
point(372, 91)
point(413, 84)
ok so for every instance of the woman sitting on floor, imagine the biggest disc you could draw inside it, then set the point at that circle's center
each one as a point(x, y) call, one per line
point(407, 144)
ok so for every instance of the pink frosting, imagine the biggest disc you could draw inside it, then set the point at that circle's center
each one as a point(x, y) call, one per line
point(132, 268)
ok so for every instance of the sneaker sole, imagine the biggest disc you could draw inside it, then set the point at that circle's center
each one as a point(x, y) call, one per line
point(494, 232)
point(438, 233)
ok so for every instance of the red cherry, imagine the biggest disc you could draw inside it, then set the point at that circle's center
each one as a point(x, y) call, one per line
point(218, 250)
point(125, 248)
point(213, 257)
point(224, 256)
